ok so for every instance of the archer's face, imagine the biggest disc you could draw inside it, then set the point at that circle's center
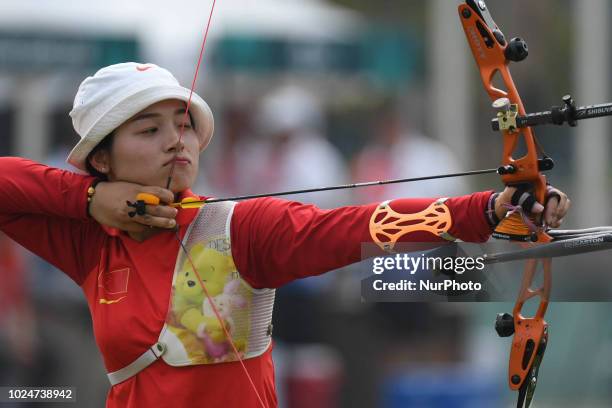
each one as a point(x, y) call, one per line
point(145, 147)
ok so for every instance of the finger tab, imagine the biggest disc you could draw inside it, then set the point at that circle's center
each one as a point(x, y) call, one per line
point(149, 199)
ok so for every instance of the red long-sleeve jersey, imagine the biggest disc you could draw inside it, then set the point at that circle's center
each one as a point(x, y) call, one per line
point(273, 242)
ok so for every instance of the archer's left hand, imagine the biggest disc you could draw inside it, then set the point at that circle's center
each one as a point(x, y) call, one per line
point(553, 211)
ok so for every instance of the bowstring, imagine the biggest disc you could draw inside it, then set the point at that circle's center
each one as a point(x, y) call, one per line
point(193, 84)
point(169, 182)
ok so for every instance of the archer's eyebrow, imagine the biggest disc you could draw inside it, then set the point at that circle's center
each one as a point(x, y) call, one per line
point(142, 116)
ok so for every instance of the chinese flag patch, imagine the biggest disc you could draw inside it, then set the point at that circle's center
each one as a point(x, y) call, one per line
point(114, 282)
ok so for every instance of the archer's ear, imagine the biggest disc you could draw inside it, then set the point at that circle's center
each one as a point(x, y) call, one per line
point(100, 161)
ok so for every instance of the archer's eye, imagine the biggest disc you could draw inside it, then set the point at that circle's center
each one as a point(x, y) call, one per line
point(149, 131)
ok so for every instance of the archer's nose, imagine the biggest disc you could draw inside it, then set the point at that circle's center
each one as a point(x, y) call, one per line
point(175, 141)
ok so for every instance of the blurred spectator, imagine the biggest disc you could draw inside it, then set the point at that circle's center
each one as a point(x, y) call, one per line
point(292, 151)
point(223, 169)
point(277, 145)
point(399, 152)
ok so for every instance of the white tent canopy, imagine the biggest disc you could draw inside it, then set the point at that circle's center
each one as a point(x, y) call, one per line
point(171, 32)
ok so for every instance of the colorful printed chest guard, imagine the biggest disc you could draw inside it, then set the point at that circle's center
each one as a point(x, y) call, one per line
point(192, 333)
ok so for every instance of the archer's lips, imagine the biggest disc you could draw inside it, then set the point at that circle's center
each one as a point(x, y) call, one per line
point(178, 161)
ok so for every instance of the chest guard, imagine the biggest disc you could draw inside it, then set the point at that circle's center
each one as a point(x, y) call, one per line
point(192, 333)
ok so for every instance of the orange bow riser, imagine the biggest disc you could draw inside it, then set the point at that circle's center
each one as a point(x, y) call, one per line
point(493, 53)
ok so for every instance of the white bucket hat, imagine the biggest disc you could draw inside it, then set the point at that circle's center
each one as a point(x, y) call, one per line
point(118, 92)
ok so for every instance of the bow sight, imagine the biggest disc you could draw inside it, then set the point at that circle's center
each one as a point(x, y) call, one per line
point(509, 119)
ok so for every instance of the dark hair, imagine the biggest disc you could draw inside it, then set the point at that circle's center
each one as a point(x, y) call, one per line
point(105, 144)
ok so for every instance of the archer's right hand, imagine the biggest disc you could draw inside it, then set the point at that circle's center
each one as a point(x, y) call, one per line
point(108, 207)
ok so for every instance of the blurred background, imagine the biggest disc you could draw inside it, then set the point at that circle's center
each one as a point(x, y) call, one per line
point(310, 93)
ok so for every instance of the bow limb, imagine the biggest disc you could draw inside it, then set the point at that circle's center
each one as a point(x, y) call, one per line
point(493, 53)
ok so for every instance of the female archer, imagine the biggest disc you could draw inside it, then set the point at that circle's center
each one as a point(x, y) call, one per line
point(181, 298)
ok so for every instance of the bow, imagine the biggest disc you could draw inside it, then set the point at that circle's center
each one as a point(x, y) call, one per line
point(493, 53)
